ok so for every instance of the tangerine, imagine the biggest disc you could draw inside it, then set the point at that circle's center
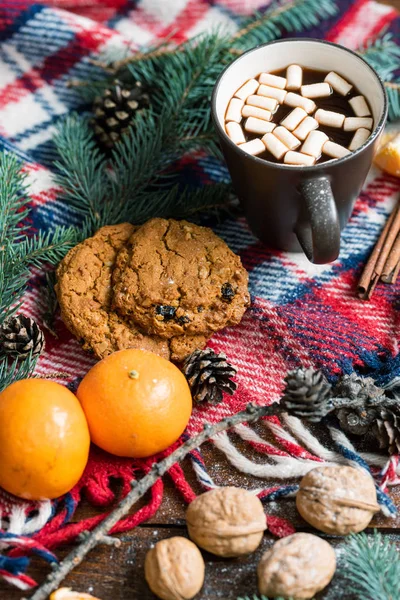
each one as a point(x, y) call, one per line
point(44, 439)
point(136, 403)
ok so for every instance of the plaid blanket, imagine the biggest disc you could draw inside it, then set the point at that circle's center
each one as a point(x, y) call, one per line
point(301, 314)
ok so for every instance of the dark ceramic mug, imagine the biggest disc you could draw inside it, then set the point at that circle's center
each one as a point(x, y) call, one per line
point(294, 208)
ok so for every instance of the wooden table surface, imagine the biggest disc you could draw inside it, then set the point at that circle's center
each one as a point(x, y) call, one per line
point(117, 573)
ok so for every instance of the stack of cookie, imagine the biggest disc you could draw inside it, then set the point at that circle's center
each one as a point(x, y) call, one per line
point(166, 286)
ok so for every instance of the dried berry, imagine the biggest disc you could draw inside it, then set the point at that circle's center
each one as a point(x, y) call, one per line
point(182, 320)
point(227, 291)
point(166, 311)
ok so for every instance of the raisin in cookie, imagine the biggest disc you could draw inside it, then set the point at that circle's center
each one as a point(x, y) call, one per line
point(84, 293)
point(174, 277)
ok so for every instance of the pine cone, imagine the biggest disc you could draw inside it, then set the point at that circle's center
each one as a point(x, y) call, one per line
point(360, 391)
point(387, 429)
point(115, 111)
point(209, 375)
point(307, 395)
point(356, 420)
point(21, 335)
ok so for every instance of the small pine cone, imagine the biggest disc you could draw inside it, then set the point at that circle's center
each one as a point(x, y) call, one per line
point(361, 391)
point(307, 395)
point(21, 335)
point(387, 429)
point(115, 111)
point(209, 375)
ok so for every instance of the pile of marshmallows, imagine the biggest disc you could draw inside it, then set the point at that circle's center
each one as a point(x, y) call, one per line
point(258, 100)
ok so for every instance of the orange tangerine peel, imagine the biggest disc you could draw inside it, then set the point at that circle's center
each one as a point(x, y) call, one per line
point(388, 157)
point(68, 594)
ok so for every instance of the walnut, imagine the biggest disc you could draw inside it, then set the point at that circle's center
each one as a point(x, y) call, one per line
point(338, 500)
point(227, 521)
point(68, 594)
point(298, 566)
point(174, 569)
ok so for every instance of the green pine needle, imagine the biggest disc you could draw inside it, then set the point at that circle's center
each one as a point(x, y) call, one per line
point(18, 253)
point(383, 54)
point(283, 16)
point(371, 566)
point(15, 370)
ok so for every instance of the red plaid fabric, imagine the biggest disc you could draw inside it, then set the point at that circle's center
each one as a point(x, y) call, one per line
point(301, 314)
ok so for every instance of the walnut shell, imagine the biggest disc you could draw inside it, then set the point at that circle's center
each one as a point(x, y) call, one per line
point(227, 521)
point(298, 566)
point(338, 500)
point(174, 569)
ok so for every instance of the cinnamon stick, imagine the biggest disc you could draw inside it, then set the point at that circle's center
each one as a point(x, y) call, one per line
point(392, 263)
point(377, 261)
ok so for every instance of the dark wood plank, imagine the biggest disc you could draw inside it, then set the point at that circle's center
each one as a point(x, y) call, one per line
point(117, 573)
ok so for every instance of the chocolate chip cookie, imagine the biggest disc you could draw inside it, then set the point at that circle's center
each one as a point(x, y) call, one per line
point(84, 293)
point(174, 277)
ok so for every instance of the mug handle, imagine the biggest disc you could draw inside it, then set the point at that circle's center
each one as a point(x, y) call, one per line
point(320, 238)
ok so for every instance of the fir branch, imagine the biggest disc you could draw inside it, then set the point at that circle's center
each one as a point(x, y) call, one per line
point(252, 414)
point(135, 184)
point(372, 567)
point(18, 253)
point(10, 372)
point(393, 93)
point(295, 15)
point(383, 54)
point(81, 170)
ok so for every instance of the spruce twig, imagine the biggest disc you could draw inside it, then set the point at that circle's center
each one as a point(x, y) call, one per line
point(372, 567)
point(18, 253)
point(139, 488)
point(383, 54)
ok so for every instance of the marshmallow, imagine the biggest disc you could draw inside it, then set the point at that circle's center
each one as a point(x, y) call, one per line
point(316, 90)
point(250, 87)
point(287, 138)
point(262, 102)
point(253, 147)
point(297, 158)
point(314, 142)
point(274, 145)
point(273, 80)
point(271, 92)
point(294, 77)
point(359, 138)
point(302, 130)
point(353, 123)
point(259, 126)
point(292, 120)
point(340, 85)
point(329, 118)
point(254, 111)
point(298, 101)
point(234, 112)
point(360, 106)
point(235, 132)
point(334, 150)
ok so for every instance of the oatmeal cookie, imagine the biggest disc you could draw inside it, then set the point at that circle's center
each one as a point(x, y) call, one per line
point(84, 293)
point(174, 277)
